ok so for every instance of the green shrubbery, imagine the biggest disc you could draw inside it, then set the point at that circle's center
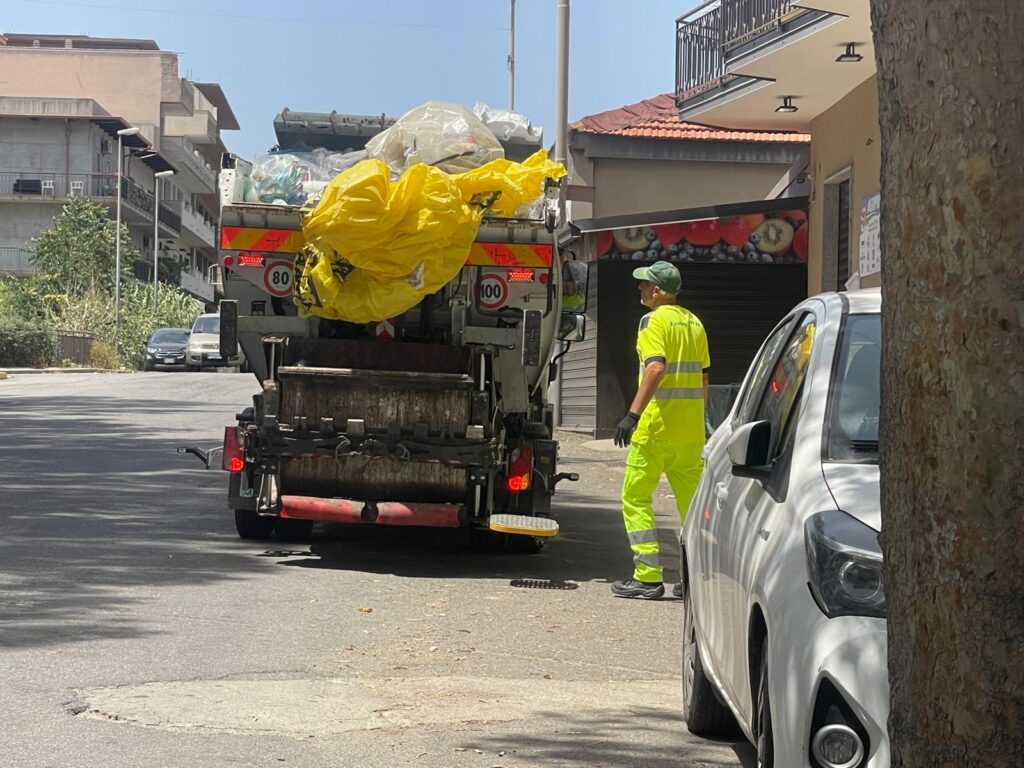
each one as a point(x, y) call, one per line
point(24, 343)
point(75, 293)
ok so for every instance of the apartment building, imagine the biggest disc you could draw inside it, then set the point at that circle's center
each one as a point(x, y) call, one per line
point(63, 100)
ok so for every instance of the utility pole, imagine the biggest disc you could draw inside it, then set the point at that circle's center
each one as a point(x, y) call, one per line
point(561, 152)
point(512, 61)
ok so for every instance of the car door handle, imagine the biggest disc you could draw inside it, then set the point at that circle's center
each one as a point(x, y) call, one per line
point(721, 493)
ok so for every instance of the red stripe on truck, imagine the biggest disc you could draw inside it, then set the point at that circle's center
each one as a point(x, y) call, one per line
point(387, 512)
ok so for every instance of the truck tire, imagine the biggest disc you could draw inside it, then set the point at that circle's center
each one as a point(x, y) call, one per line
point(252, 526)
point(289, 529)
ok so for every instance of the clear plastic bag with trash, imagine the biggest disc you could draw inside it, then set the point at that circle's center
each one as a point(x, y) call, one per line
point(438, 134)
point(508, 125)
point(296, 178)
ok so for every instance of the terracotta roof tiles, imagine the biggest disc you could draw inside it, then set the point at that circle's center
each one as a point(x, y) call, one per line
point(658, 118)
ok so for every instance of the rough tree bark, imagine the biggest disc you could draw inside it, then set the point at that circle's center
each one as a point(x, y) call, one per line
point(951, 88)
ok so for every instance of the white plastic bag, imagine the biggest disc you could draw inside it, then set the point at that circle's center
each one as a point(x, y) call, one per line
point(446, 136)
point(506, 124)
point(286, 178)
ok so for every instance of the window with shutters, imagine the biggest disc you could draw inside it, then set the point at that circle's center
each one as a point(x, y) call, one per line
point(835, 268)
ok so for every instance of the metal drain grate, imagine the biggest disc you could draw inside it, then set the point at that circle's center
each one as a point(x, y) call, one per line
point(542, 584)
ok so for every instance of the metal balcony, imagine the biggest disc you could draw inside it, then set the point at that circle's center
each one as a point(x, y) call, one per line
point(715, 35)
point(16, 262)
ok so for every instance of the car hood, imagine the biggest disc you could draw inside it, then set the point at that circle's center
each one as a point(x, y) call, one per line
point(203, 338)
point(855, 490)
point(174, 345)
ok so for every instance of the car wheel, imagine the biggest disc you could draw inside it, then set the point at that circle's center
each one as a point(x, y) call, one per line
point(293, 530)
point(704, 714)
point(252, 526)
point(191, 368)
point(763, 722)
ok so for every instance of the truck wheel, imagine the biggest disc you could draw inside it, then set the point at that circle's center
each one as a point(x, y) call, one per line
point(288, 529)
point(252, 526)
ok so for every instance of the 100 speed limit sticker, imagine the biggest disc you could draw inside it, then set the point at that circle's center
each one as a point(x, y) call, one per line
point(493, 291)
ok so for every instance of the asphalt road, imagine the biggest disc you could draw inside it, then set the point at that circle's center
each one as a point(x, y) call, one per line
point(136, 629)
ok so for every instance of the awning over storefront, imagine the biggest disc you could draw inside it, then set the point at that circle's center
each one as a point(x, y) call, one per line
point(685, 215)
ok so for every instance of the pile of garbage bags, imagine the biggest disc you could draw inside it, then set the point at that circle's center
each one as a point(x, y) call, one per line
point(399, 224)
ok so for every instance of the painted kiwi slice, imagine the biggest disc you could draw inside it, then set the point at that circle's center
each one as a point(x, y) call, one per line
point(774, 236)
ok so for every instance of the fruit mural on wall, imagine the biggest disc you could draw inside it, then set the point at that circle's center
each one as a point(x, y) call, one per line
point(755, 238)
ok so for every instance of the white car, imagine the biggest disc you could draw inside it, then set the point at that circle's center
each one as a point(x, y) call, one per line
point(203, 349)
point(784, 628)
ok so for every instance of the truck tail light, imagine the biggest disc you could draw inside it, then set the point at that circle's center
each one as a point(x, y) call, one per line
point(233, 459)
point(520, 467)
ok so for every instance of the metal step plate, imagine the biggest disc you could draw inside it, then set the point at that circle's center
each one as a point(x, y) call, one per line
point(524, 525)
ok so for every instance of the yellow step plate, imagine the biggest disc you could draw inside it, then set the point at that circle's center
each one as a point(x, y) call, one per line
point(524, 525)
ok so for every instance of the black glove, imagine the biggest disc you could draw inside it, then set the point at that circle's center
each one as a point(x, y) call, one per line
point(624, 432)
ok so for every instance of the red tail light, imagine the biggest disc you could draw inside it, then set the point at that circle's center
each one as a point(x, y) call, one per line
point(520, 467)
point(233, 459)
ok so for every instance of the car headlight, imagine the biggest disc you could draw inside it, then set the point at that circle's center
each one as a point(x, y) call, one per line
point(151, 350)
point(845, 565)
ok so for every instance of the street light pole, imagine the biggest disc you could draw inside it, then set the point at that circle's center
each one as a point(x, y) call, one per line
point(117, 239)
point(156, 233)
point(512, 62)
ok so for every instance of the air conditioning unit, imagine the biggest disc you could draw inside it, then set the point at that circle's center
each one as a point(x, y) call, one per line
point(104, 146)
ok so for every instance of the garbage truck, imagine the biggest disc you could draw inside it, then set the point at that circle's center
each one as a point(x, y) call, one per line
point(438, 416)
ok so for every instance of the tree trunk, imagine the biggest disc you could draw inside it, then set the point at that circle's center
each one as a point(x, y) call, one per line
point(951, 89)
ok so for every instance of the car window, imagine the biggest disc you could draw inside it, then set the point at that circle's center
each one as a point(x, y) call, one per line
point(760, 369)
point(856, 393)
point(207, 325)
point(780, 395)
point(170, 336)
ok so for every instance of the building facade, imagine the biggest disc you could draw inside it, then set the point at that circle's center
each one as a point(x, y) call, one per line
point(63, 101)
point(801, 66)
point(645, 185)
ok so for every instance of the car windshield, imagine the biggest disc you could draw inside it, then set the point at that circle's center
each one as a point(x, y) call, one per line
point(207, 325)
point(855, 398)
point(170, 336)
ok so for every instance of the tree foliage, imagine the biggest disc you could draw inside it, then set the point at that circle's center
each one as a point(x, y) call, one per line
point(78, 254)
point(74, 291)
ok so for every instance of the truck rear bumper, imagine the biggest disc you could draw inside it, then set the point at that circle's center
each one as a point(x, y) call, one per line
point(382, 513)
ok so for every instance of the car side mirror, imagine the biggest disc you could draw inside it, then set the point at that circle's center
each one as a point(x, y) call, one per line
point(572, 327)
point(748, 450)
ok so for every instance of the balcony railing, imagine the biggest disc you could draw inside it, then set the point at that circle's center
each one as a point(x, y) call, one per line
point(743, 20)
point(706, 35)
point(183, 153)
point(700, 64)
point(195, 282)
point(169, 219)
point(15, 261)
point(43, 185)
point(195, 221)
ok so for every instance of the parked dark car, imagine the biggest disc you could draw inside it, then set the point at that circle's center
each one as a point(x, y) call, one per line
point(165, 348)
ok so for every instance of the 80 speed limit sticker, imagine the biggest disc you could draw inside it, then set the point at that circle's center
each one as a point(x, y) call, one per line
point(277, 278)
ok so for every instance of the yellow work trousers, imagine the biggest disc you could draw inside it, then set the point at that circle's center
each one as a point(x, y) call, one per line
point(645, 464)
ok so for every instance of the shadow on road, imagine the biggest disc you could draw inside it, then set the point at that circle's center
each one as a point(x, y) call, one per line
point(632, 739)
point(98, 514)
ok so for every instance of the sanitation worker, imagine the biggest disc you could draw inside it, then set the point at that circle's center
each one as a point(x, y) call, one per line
point(664, 427)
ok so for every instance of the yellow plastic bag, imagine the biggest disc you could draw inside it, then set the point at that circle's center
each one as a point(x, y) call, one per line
point(375, 247)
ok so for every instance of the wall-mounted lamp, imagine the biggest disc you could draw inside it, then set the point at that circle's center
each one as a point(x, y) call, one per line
point(851, 56)
point(786, 105)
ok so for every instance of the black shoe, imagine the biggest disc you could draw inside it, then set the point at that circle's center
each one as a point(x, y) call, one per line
point(645, 590)
point(677, 590)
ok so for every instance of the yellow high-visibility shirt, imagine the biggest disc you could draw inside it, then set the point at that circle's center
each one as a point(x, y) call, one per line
point(676, 337)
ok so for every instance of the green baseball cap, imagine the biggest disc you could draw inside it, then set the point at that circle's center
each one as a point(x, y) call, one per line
point(662, 274)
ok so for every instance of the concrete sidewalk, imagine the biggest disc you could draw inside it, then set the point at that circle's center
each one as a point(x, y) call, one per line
point(12, 372)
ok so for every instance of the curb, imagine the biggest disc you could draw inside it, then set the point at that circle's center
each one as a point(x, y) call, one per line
point(12, 372)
